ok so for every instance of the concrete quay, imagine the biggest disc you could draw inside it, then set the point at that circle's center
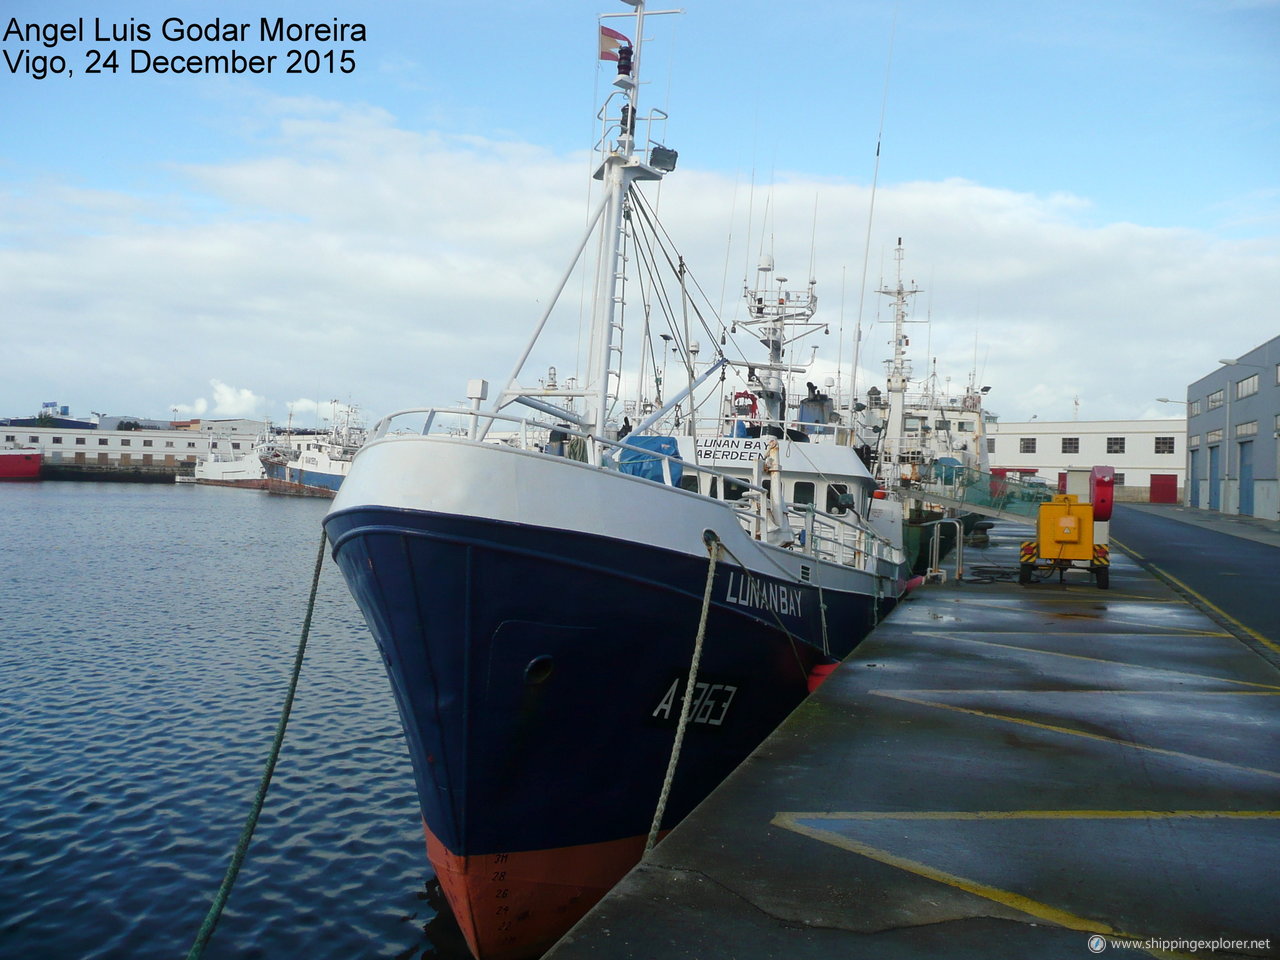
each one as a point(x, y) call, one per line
point(999, 770)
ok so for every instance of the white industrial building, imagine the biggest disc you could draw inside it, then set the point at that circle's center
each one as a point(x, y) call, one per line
point(1148, 456)
point(92, 447)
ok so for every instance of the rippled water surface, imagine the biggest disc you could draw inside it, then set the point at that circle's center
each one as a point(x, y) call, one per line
point(147, 634)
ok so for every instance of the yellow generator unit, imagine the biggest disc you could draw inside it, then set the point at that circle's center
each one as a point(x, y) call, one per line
point(1065, 540)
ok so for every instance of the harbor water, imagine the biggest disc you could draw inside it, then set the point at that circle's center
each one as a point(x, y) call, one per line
point(147, 635)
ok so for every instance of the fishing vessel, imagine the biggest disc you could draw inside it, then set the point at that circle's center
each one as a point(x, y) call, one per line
point(588, 622)
point(925, 438)
point(312, 464)
point(20, 463)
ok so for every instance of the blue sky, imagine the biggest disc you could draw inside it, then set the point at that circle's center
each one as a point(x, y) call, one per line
point(1088, 191)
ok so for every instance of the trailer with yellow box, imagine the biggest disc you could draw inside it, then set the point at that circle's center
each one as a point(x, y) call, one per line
point(1067, 538)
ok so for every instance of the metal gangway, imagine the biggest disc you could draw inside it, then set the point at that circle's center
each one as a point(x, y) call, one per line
point(972, 491)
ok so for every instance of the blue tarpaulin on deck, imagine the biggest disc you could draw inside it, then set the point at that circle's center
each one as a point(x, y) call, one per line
point(647, 465)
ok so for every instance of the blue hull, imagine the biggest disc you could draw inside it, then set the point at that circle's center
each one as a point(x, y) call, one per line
point(282, 475)
point(538, 673)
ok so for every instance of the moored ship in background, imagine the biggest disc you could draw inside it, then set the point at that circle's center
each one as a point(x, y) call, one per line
point(312, 464)
point(588, 624)
point(20, 463)
point(930, 437)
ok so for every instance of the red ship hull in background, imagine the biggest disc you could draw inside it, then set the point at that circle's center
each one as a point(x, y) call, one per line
point(19, 464)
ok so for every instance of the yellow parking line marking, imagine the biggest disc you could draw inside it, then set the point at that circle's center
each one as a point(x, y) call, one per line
point(1096, 690)
point(1269, 644)
point(955, 635)
point(1054, 728)
point(1038, 815)
point(1015, 901)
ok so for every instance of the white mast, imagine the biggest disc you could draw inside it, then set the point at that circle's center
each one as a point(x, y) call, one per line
point(899, 368)
point(771, 311)
point(619, 169)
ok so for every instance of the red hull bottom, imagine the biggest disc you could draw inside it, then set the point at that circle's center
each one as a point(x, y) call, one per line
point(514, 906)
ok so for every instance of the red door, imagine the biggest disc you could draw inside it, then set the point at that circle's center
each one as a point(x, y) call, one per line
point(1164, 488)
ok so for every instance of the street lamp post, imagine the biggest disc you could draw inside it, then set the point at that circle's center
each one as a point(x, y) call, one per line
point(1186, 450)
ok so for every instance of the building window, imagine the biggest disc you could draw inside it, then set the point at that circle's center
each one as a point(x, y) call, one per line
point(1070, 444)
point(147, 443)
point(214, 445)
point(1194, 442)
point(126, 443)
point(33, 439)
point(1249, 429)
point(1119, 481)
point(1193, 408)
point(235, 446)
point(79, 441)
point(1115, 445)
point(169, 444)
point(191, 445)
point(1213, 436)
point(56, 439)
point(1215, 399)
point(1027, 445)
point(991, 444)
point(102, 441)
point(1247, 387)
point(1164, 445)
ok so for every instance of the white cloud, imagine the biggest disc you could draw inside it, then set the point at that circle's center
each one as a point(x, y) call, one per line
point(385, 267)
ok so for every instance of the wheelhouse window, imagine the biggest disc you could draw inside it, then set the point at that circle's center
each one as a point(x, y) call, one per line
point(837, 498)
point(802, 494)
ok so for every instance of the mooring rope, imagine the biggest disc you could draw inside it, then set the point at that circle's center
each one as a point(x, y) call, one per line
point(686, 706)
point(242, 847)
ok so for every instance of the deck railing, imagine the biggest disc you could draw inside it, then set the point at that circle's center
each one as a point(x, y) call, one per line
point(820, 534)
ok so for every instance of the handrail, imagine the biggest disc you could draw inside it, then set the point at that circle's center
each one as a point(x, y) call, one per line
point(862, 537)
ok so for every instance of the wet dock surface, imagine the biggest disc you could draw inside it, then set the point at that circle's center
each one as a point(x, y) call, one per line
point(998, 770)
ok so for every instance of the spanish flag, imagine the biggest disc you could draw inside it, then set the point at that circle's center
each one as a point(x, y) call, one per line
point(610, 40)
